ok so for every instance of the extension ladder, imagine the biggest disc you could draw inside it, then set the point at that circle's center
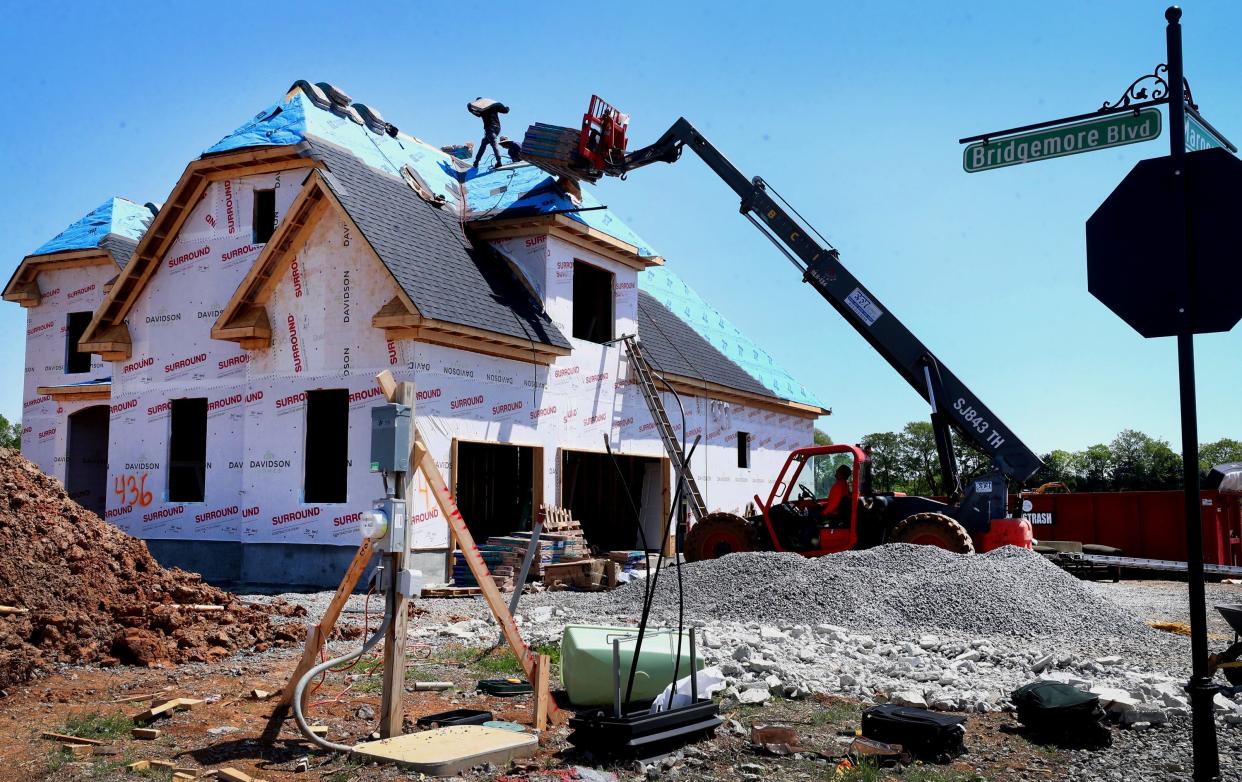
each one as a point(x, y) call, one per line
point(646, 383)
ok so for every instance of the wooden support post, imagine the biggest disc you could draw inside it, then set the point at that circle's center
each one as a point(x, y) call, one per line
point(543, 671)
point(392, 711)
point(316, 636)
point(478, 568)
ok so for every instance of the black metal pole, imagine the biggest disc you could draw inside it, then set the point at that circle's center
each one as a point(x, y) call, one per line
point(1200, 687)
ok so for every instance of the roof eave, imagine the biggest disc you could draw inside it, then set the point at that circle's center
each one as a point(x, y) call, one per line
point(23, 286)
point(80, 392)
point(569, 230)
point(699, 387)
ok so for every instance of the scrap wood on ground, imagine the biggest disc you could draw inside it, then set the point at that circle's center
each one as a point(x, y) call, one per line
point(93, 594)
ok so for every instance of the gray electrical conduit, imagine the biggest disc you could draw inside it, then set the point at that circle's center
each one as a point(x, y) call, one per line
point(321, 667)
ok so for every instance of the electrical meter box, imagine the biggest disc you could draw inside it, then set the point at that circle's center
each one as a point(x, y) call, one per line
point(393, 509)
point(390, 438)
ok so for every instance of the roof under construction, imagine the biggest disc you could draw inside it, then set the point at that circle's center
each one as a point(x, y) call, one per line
point(390, 182)
point(116, 225)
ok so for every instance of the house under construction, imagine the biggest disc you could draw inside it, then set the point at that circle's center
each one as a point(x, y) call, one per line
point(202, 373)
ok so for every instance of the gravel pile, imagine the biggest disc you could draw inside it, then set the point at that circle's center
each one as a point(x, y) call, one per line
point(1008, 591)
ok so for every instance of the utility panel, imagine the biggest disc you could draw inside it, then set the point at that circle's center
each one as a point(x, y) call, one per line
point(390, 438)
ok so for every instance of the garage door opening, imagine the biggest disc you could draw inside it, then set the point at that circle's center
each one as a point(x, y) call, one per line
point(86, 459)
point(593, 491)
point(494, 486)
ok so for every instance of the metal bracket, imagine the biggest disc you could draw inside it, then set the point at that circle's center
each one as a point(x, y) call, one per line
point(1153, 86)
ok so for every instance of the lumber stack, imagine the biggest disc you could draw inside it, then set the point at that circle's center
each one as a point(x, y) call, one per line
point(515, 545)
point(555, 149)
point(561, 540)
point(497, 560)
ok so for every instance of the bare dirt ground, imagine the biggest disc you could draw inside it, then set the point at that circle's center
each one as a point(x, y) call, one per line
point(228, 729)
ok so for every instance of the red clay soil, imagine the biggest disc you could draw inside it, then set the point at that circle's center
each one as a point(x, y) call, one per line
point(96, 595)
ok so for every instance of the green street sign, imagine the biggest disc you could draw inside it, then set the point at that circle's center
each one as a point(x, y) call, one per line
point(1112, 130)
point(1198, 137)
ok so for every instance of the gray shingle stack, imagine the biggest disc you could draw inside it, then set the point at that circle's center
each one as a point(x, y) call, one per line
point(555, 149)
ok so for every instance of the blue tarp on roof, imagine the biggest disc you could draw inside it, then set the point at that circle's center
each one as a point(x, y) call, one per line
point(513, 190)
point(291, 121)
point(522, 190)
point(118, 216)
point(510, 191)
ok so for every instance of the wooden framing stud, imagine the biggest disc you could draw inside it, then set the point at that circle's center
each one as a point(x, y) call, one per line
point(543, 670)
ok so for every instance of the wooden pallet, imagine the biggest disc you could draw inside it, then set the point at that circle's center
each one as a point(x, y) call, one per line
point(559, 520)
point(451, 592)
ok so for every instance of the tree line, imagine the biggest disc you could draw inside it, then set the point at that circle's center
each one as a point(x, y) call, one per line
point(10, 433)
point(906, 461)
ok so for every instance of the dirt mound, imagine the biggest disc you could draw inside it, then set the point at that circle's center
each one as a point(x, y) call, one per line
point(96, 595)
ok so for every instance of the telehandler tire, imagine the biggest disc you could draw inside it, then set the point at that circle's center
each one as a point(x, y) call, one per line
point(933, 529)
point(718, 534)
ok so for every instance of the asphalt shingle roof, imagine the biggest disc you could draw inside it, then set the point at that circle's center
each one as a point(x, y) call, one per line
point(429, 256)
point(672, 346)
point(120, 247)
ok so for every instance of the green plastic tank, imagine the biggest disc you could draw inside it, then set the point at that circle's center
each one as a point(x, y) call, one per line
point(586, 663)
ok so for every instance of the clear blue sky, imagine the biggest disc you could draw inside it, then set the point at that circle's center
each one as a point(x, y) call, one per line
point(851, 110)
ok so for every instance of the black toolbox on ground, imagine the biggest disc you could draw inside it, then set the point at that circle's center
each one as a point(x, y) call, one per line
point(929, 736)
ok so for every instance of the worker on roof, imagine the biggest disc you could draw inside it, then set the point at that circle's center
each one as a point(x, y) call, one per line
point(512, 147)
point(489, 111)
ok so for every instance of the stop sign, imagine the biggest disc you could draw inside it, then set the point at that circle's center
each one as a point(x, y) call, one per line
point(1136, 251)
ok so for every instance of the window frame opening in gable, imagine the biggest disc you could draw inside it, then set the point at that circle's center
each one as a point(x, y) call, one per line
point(76, 361)
point(594, 318)
point(325, 451)
point(263, 222)
point(743, 450)
point(187, 450)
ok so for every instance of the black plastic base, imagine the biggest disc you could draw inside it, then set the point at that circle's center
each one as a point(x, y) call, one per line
point(640, 734)
point(445, 719)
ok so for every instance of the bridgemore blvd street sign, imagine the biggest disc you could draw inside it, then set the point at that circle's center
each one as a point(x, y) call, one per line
point(1112, 130)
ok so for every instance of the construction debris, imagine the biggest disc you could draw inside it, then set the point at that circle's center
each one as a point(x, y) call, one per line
point(95, 595)
point(166, 708)
point(589, 575)
point(450, 592)
point(65, 739)
point(146, 733)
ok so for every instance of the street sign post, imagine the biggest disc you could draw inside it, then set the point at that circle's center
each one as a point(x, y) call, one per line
point(1202, 690)
point(1161, 255)
point(1106, 132)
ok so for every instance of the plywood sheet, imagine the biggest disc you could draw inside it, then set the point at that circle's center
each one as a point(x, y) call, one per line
point(447, 751)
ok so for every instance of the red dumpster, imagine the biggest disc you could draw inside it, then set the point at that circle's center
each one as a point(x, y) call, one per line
point(1143, 524)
